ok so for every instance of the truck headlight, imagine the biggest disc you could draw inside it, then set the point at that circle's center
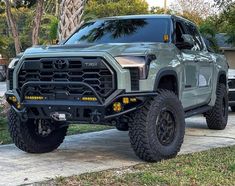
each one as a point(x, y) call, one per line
point(11, 67)
point(140, 62)
point(10, 71)
point(15, 60)
point(13, 63)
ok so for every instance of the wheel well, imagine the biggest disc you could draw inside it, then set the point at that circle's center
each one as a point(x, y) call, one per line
point(222, 79)
point(168, 82)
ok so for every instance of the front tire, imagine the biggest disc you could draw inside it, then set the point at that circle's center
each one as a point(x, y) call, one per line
point(35, 136)
point(217, 117)
point(157, 130)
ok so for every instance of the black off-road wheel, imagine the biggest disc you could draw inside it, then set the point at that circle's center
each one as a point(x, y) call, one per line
point(233, 108)
point(157, 130)
point(35, 136)
point(217, 117)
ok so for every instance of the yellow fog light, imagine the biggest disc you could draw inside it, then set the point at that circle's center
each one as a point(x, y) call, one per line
point(34, 97)
point(117, 107)
point(18, 105)
point(89, 99)
point(125, 100)
point(13, 99)
point(133, 100)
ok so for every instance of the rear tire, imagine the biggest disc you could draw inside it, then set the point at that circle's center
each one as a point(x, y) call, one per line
point(35, 136)
point(157, 130)
point(217, 117)
point(233, 108)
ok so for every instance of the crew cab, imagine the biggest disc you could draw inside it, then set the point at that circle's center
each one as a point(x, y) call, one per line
point(142, 73)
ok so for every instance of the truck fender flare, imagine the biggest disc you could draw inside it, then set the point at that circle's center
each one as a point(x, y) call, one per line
point(221, 72)
point(165, 72)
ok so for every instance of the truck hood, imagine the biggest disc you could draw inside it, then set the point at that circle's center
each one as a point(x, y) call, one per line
point(115, 49)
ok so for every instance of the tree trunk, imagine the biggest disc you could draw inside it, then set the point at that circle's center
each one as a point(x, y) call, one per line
point(37, 22)
point(71, 12)
point(57, 7)
point(12, 26)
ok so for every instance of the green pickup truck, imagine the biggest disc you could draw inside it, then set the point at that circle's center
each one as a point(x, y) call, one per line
point(143, 73)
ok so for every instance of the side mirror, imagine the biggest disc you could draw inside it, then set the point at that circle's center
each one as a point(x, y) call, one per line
point(188, 42)
point(188, 39)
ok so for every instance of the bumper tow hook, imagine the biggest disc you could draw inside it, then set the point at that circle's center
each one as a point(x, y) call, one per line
point(95, 117)
point(59, 116)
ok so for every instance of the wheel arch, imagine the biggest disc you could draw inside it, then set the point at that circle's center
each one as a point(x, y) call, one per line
point(168, 75)
point(222, 78)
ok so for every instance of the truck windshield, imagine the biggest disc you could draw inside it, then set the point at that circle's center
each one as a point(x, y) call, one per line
point(122, 31)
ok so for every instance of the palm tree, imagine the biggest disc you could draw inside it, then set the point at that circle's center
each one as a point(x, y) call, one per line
point(71, 12)
point(37, 21)
point(13, 26)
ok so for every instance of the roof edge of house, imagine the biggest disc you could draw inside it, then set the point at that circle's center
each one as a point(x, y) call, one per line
point(227, 48)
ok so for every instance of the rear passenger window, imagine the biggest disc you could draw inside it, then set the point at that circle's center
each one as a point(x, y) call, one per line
point(192, 30)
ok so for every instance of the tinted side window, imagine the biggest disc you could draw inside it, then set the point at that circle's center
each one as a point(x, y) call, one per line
point(192, 30)
point(179, 32)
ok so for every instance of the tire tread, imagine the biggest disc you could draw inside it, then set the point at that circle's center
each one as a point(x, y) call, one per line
point(23, 140)
point(139, 139)
point(214, 116)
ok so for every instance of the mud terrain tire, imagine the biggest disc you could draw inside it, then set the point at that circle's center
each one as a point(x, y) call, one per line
point(157, 130)
point(217, 117)
point(25, 137)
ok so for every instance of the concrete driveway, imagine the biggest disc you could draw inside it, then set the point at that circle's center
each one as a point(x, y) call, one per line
point(98, 151)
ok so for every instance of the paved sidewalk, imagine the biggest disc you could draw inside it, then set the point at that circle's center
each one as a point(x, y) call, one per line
point(98, 151)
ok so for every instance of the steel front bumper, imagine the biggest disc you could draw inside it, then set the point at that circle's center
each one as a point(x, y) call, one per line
point(98, 111)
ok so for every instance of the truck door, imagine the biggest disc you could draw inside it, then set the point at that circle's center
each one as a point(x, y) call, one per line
point(204, 65)
point(190, 79)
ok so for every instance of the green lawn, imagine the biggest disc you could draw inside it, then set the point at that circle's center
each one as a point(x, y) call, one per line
point(4, 135)
point(213, 167)
point(85, 128)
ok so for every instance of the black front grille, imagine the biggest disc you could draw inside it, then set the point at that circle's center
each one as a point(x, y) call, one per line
point(231, 83)
point(92, 71)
